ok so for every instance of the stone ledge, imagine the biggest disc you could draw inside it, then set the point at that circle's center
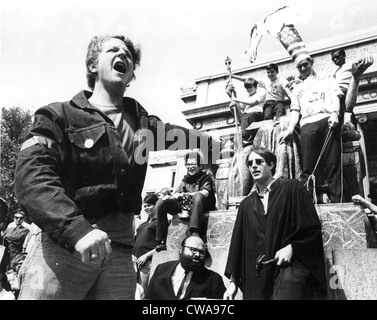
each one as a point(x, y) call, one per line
point(354, 274)
point(343, 227)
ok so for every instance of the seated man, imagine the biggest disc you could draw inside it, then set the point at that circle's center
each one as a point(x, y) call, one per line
point(250, 108)
point(277, 89)
point(187, 278)
point(197, 189)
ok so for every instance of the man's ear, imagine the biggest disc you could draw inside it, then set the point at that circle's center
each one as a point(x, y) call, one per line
point(272, 165)
point(92, 66)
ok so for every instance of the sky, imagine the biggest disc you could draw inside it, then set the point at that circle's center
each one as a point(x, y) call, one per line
point(43, 43)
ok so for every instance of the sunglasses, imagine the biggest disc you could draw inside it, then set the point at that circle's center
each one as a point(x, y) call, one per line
point(195, 251)
point(257, 161)
point(18, 218)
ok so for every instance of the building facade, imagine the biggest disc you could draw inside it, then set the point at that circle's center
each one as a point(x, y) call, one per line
point(207, 104)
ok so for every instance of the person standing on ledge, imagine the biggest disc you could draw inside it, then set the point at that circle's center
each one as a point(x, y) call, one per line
point(276, 221)
point(316, 108)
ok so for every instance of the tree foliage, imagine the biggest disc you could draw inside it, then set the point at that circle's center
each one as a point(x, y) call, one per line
point(15, 123)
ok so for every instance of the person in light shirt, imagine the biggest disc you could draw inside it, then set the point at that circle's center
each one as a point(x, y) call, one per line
point(316, 108)
point(249, 109)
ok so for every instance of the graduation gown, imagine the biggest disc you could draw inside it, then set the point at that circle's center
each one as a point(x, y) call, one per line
point(291, 219)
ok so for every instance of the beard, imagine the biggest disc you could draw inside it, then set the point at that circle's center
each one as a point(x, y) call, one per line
point(189, 264)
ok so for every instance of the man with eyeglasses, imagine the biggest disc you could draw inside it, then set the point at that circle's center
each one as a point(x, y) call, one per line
point(315, 106)
point(186, 278)
point(276, 250)
point(14, 237)
point(196, 190)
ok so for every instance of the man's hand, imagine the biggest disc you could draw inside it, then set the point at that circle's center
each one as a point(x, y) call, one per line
point(177, 195)
point(284, 255)
point(94, 246)
point(357, 199)
point(333, 120)
point(285, 135)
point(141, 260)
point(362, 65)
point(231, 292)
point(230, 90)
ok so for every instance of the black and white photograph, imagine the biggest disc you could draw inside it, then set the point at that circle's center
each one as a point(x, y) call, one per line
point(191, 155)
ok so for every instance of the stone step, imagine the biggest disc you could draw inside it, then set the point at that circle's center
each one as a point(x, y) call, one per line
point(353, 275)
point(344, 227)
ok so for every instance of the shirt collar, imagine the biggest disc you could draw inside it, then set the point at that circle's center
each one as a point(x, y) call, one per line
point(266, 190)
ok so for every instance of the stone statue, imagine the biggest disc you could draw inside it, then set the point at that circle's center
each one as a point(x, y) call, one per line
point(288, 156)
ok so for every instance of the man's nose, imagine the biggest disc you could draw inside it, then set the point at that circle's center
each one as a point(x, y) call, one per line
point(122, 52)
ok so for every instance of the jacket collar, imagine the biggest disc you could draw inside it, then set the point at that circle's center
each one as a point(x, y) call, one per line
point(81, 100)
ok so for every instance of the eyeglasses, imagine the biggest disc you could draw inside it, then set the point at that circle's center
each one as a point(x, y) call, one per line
point(18, 218)
point(195, 251)
point(191, 164)
point(303, 65)
point(257, 161)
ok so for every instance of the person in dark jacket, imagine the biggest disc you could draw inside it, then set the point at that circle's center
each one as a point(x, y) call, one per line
point(80, 175)
point(276, 224)
point(145, 241)
point(194, 195)
point(187, 278)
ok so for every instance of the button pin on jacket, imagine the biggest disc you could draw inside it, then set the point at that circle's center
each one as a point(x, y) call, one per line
point(88, 143)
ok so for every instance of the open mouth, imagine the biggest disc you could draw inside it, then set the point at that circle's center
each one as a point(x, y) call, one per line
point(120, 67)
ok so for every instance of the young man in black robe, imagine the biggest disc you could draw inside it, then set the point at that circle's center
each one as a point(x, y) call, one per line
point(278, 220)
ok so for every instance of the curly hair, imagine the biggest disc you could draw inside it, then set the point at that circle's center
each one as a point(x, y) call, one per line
point(95, 48)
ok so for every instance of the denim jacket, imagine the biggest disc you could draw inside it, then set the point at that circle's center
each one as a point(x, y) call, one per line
point(72, 167)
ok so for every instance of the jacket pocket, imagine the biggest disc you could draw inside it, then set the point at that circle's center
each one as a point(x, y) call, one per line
point(91, 150)
point(88, 137)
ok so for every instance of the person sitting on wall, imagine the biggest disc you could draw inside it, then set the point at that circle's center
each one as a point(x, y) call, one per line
point(197, 191)
point(248, 109)
point(277, 90)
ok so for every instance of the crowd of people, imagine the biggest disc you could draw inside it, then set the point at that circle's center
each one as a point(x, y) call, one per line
point(80, 174)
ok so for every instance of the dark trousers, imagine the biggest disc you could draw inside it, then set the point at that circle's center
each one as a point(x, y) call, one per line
point(313, 136)
point(273, 108)
point(290, 283)
point(246, 120)
point(173, 206)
